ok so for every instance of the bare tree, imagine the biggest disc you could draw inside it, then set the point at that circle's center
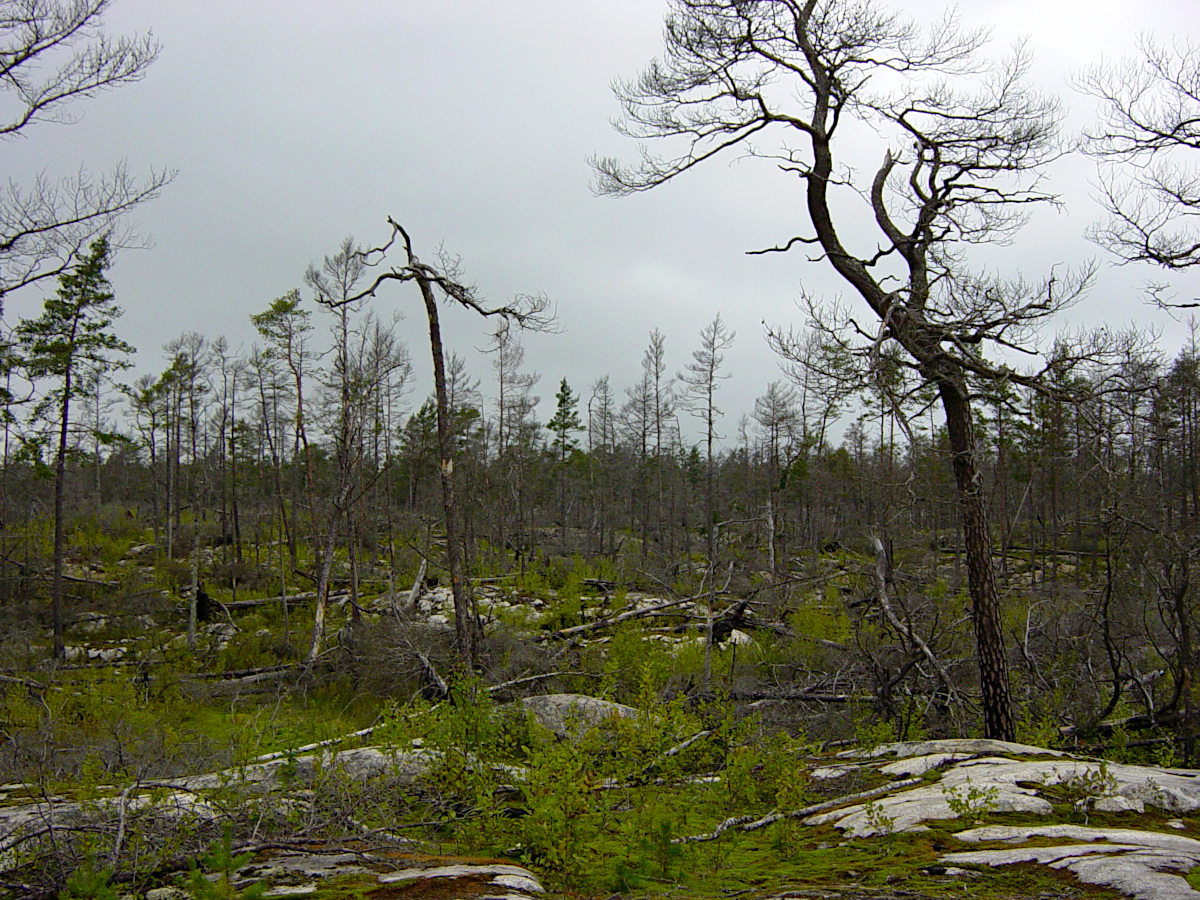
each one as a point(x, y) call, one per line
point(334, 285)
point(702, 379)
point(53, 52)
point(514, 408)
point(965, 141)
point(1150, 118)
point(528, 311)
point(778, 420)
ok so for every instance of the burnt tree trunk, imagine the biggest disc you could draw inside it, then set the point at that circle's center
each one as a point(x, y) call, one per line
point(981, 577)
point(466, 628)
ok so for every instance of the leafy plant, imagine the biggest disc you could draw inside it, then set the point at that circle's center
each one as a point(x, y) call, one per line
point(970, 801)
point(879, 820)
point(224, 863)
point(89, 883)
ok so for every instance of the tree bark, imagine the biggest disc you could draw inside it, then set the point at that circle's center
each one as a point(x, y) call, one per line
point(60, 540)
point(981, 578)
point(466, 628)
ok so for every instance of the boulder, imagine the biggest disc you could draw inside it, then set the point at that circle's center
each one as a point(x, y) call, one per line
point(570, 716)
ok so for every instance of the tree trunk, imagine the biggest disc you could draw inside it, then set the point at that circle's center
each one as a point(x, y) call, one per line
point(998, 718)
point(466, 628)
point(60, 541)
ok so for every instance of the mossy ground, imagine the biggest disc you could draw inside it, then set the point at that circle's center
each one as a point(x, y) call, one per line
point(595, 819)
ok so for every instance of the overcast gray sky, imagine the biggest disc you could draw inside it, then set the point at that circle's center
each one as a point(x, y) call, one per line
point(293, 124)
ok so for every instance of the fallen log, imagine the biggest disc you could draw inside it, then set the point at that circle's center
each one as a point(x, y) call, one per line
point(750, 823)
point(291, 598)
point(798, 697)
point(609, 621)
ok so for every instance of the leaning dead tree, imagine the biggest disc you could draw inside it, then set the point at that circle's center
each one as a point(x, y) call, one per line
point(964, 139)
point(528, 311)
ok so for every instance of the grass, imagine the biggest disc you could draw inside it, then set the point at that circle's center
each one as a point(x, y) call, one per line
point(586, 837)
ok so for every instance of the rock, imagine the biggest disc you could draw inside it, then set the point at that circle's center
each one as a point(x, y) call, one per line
point(737, 639)
point(519, 883)
point(358, 764)
point(1118, 804)
point(308, 866)
point(906, 810)
point(1015, 834)
point(517, 877)
point(968, 746)
point(956, 872)
point(912, 767)
point(106, 654)
point(829, 773)
point(1133, 862)
point(90, 623)
point(570, 716)
point(1174, 790)
point(295, 873)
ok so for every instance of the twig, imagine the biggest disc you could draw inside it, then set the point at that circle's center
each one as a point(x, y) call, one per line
point(881, 579)
point(497, 688)
point(122, 810)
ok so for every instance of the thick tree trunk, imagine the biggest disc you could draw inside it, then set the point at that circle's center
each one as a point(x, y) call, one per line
point(998, 718)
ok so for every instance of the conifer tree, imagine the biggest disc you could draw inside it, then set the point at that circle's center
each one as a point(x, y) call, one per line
point(564, 423)
point(70, 343)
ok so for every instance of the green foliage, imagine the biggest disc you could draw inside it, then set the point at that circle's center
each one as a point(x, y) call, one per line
point(221, 861)
point(969, 801)
point(871, 731)
point(88, 882)
point(565, 422)
point(72, 335)
point(565, 814)
point(878, 818)
point(1038, 723)
point(1088, 784)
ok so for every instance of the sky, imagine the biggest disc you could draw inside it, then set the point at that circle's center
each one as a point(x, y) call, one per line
point(292, 125)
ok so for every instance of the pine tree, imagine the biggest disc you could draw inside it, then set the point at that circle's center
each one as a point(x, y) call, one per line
point(565, 422)
point(70, 343)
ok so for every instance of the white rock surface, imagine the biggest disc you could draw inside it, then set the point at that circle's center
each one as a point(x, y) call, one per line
point(462, 871)
point(1173, 790)
point(1136, 863)
point(829, 773)
point(569, 716)
point(907, 810)
point(970, 746)
point(1118, 804)
point(911, 767)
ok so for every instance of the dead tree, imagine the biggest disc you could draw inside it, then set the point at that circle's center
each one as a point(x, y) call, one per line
point(527, 311)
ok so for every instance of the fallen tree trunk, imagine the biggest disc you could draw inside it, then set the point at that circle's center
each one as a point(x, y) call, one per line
point(291, 598)
point(750, 823)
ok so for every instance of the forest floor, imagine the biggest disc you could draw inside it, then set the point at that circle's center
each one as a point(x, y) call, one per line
point(579, 761)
